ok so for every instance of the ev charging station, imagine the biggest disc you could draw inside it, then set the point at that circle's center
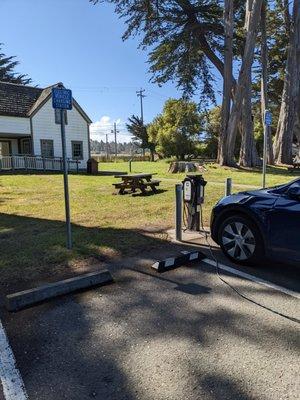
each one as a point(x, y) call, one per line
point(193, 198)
point(190, 196)
point(188, 212)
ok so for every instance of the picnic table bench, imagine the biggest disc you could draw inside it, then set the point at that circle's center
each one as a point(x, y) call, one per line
point(136, 181)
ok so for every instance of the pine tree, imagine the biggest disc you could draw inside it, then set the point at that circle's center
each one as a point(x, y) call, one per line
point(140, 135)
point(7, 70)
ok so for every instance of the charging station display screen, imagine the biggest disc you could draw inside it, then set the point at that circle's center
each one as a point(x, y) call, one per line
point(187, 190)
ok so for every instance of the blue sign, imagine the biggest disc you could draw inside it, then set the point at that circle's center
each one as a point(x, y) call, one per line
point(62, 98)
point(268, 118)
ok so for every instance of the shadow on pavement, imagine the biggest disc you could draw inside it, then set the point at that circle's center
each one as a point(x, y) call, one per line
point(145, 337)
point(286, 275)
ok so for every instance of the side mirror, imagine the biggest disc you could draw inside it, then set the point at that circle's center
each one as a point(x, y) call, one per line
point(294, 192)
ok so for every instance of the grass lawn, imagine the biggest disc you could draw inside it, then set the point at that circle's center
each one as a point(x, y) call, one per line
point(105, 226)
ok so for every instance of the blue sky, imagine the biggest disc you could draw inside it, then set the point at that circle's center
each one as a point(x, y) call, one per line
point(80, 44)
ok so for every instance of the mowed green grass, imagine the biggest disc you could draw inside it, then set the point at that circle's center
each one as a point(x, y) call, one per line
point(105, 226)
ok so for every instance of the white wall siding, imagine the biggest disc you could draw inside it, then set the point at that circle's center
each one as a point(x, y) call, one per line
point(14, 125)
point(44, 127)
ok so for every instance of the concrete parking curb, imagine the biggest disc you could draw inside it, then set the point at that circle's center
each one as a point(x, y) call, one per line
point(20, 300)
point(175, 262)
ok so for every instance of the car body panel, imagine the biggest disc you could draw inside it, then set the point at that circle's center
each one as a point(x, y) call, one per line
point(284, 222)
point(276, 215)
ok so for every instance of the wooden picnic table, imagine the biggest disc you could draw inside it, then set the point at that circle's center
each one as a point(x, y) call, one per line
point(136, 181)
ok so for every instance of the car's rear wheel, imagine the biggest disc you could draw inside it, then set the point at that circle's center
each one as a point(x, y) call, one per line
point(240, 240)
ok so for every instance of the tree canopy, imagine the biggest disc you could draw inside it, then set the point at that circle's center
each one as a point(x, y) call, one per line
point(187, 44)
point(138, 131)
point(7, 70)
point(184, 38)
point(176, 129)
point(140, 135)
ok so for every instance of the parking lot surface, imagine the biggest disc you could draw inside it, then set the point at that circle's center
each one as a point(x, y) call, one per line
point(183, 334)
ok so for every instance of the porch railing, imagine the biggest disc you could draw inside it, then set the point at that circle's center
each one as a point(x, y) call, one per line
point(36, 163)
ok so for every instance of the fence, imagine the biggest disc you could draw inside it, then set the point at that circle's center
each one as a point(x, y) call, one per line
point(36, 163)
point(120, 157)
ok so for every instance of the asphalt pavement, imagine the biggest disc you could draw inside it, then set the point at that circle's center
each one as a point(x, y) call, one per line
point(184, 334)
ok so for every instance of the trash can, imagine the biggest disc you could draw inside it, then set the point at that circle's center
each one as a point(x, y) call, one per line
point(92, 166)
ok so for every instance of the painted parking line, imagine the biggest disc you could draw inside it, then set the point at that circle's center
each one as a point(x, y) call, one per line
point(12, 382)
point(252, 278)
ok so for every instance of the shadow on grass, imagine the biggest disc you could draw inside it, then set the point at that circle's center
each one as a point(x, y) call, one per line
point(33, 248)
point(270, 170)
point(40, 172)
point(149, 193)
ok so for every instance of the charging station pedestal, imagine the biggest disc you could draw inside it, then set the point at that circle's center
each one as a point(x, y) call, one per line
point(193, 198)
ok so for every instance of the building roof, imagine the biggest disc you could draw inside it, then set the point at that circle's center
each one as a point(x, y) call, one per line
point(17, 100)
point(23, 101)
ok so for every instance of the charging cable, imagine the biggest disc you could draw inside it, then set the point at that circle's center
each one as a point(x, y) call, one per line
point(204, 234)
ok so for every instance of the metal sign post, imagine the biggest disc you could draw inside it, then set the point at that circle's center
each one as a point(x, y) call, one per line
point(62, 100)
point(267, 124)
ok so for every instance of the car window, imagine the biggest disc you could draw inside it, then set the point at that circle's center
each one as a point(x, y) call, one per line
point(294, 184)
point(283, 188)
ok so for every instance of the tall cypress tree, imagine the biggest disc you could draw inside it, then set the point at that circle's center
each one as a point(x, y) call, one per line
point(7, 70)
point(184, 39)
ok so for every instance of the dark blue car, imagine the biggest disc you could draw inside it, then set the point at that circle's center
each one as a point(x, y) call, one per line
point(252, 225)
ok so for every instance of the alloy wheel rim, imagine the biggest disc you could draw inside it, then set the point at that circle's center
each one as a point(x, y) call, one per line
point(238, 241)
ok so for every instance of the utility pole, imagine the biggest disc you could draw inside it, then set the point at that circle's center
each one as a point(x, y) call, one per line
point(106, 147)
point(116, 144)
point(267, 127)
point(141, 96)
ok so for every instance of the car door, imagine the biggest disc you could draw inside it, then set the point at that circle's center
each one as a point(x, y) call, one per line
point(284, 227)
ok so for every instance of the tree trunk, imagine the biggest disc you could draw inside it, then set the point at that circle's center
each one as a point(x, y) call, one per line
point(248, 152)
point(287, 17)
point(264, 82)
point(183, 166)
point(203, 43)
point(151, 155)
point(243, 80)
point(290, 97)
point(227, 81)
point(297, 123)
point(296, 98)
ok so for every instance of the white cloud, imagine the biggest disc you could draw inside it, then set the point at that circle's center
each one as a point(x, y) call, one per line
point(101, 127)
point(104, 126)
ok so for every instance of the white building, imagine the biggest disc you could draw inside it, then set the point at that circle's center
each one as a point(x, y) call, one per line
point(30, 130)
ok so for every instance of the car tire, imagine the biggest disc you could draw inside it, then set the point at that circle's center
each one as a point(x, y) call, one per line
point(240, 240)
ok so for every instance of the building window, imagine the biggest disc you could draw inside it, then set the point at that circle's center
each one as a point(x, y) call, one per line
point(5, 148)
point(26, 146)
point(47, 149)
point(77, 150)
point(57, 116)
